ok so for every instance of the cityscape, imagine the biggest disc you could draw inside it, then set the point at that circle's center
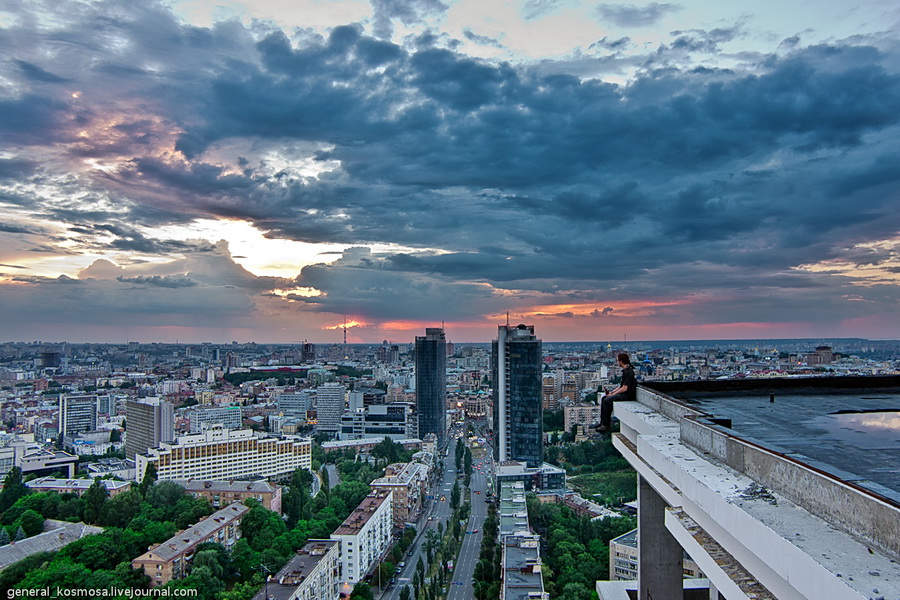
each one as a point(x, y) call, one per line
point(426, 469)
point(450, 299)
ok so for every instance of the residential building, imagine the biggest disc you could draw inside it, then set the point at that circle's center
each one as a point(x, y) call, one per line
point(543, 477)
point(171, 560)
point(366, 444)
point(149, 422)
point(623, 559)
point(223, 493)
point(76, 486)
point(431, 383)
point(521, 564)
point(585, 415)
point(776, 488)
point(77, 412)
point(58, 534)
point(407, 482)
point(518, 412)
point(223, 454)
point(312, 574)
point(365, 536)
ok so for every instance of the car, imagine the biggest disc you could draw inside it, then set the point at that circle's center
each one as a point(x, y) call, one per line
point(397, 570)
point(443, 498)
point(403, 564)
point(474, 531)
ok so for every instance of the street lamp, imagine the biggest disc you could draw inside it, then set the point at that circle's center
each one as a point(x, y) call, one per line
point(268, 575)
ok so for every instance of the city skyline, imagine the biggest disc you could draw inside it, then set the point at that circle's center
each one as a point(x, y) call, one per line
point(279, 171)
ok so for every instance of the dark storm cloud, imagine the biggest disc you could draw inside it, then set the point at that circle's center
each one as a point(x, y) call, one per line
point(630, 15)
point(166, 281)
point(10, 228)
point(519, 176)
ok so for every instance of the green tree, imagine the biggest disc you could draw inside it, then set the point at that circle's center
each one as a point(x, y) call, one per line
point(94, 499)
point(454, 496)
point(118, 511)
point(115, 436)
point(32, 523)
point(405, 593)
point(4, 536)
point(261, 526)
point(362, 591)
point(149, 478)
point(13, 489)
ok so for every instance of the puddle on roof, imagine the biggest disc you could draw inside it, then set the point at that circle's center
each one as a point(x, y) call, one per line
point(874, 430)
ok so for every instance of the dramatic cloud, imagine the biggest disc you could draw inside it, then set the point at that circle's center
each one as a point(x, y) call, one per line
point(629, 15)
point(698, 192)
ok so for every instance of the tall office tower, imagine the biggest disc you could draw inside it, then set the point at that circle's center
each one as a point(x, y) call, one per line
point(295, 404)
point(431, 383)
point(77, 413)
point(330, 403)
point(148, 422)
point(518, 414)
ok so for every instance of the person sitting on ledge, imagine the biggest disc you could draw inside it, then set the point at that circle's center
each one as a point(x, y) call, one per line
point(627, 390)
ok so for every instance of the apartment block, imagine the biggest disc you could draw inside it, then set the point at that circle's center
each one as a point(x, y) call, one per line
point(76, 486)
point(222, 493)
point(407, 482)
point(365, 536)
point(170, 560)
point(312, 574)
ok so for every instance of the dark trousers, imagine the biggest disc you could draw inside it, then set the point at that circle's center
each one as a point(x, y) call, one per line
point(606, 408)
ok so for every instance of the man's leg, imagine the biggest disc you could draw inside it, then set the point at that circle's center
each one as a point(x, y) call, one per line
point(606, 410)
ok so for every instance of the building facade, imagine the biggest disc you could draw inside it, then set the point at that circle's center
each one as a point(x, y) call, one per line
point(330, 404)
point(223, 493)
point(222, 454)
point(171, 559)
point(77, 413)
point(518, 412)
point(365, 536)
point(228, 417)
point(312, 574)
point(407, 482)
point(431, 383)
point(376, 421)
point(149, 422)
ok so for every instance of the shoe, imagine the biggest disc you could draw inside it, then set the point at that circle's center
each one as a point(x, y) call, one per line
point(601, 428)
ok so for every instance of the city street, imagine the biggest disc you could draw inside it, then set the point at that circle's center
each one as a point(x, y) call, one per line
point(439, 511)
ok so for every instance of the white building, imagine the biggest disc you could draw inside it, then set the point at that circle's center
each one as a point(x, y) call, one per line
point(222, 454)
point(365, 536)
point(202, 418)
point(312, 574)
point(776, 489)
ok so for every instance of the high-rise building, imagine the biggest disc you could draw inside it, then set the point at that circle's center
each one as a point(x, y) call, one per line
point(518, 413)
point(431, 383)
point(330, 403)
point(149, 422)
point(77, 413)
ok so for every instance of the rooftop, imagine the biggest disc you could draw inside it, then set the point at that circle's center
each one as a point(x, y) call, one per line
point(851, 434)
point(361, 515)
point(295, 572)
point(198, 485)
point(48, 541)
point(197, 534)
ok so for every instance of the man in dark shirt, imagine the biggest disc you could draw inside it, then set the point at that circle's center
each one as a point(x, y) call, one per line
point(627, 390)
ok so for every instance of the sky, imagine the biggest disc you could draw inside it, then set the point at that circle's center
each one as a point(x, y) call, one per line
point(283, 170)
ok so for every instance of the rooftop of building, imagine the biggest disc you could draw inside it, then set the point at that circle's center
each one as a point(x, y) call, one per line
point(522, 567)
point(83, 484)
point(61, 535)
point(285, 582)
point(234, 485)
point(851, 432)
point(179, 543)
point(362, 514)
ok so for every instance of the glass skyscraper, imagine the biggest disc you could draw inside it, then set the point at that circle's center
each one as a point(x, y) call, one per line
point(518, 413)
point(431, 383)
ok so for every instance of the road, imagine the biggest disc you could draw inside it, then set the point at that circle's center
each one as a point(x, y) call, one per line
point(439, 511)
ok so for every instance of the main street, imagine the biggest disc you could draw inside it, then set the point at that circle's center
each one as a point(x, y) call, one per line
point(439, 511)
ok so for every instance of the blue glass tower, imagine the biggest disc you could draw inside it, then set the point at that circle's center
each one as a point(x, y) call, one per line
point(431, 383)
point(518, 413)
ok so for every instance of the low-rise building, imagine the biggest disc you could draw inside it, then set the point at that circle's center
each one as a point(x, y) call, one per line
point(545, 477)
point(76, 486)
point(312, 574)
point(169, 561)
point(408, 482)
point(223, 493)
point(365, 536)
point(220, 454)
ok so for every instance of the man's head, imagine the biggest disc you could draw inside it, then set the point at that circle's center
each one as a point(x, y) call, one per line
point(623, 359)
